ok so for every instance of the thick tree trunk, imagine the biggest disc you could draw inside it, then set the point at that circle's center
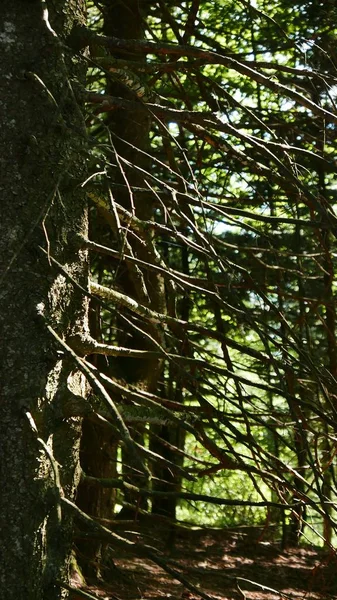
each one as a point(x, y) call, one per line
point(42, 142)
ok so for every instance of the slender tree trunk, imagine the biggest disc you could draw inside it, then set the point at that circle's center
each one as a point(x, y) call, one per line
point(330, 325)
point(124, 20)
point(330, 331)
point(128, 139)
point(42, 140)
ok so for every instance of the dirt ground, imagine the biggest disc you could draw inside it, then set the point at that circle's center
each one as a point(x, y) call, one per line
point(222, 564)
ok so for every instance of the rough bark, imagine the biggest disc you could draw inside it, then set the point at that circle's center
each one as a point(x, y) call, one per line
point(42, 146)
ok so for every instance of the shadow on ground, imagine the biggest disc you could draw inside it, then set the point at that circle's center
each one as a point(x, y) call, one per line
point(224, 564)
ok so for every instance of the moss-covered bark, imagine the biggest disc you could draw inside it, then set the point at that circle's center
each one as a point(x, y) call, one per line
point(41, 153)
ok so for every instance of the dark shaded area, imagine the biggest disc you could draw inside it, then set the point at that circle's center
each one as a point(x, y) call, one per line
point(221, 562)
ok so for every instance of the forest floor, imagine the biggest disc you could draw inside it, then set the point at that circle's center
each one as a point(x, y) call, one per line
point(224, 564)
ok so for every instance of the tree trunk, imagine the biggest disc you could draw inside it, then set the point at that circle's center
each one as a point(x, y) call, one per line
point(42, 143)
point(129, 136)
